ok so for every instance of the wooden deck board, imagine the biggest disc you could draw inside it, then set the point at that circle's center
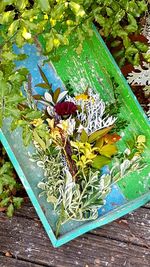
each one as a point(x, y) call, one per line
point(125, 242)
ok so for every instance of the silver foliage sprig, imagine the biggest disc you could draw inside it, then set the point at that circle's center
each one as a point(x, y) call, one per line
point(92, 114)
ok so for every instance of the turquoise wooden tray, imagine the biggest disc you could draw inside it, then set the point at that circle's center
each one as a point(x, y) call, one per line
point(94, 62)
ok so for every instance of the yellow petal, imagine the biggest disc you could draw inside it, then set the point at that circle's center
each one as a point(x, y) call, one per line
point(82, 97)
point(50, 123)
point(26, 35)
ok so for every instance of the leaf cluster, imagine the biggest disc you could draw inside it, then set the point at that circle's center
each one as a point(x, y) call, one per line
point(13, 102)
point(9, 186)
point(114, 108)
point(56, 20)
point(94, 149)
point(72, 200)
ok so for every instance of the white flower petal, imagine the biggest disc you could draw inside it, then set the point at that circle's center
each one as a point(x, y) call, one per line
point(48, 97)
point(50, 110)
point(61, 96)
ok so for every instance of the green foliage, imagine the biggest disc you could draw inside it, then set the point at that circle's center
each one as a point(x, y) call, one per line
point(100, 161)
point(50, 96)
point(46, 84)
point(72, 200)
point(114, 108)
point(55, 20)
point(9, 187)
point(98, 134)
point(10, 82)
point(12, 102)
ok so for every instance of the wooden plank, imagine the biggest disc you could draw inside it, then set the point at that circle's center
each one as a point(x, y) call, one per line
point(133, 228)
point(147, 206)
point(11, 262)
point(112, 245)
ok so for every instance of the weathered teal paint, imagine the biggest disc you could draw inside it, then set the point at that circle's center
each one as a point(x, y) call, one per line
point(29, 177)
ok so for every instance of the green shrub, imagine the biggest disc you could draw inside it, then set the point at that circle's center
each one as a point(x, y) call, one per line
point(9, 187)
point(23, 21)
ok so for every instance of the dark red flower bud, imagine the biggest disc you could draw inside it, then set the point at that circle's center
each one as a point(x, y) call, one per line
point(65, 108)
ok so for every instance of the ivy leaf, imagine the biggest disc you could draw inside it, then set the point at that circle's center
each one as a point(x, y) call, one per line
point(98, 134)
point(108, 150)
point(100, 161)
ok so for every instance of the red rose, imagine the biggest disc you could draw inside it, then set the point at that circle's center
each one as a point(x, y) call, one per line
point(65, 108)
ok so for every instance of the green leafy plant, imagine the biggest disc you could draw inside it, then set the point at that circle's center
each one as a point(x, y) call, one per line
point(73, 135)
point(55, 20)
point(9, 186)
point(14, 103)
point(75, 148)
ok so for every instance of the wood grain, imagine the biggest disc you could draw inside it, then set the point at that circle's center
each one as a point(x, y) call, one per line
point(125, 242)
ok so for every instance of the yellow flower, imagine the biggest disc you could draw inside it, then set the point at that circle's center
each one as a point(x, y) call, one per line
point(45, 16)
point(36, 122)
point(81, 13)
point(83, 97)
point(32, 18)
point(61, 16)
point(55, 132)
point(52, 22)
point(64, 125)
point(86, 153)
point(69, 22)
point(56, 42)
point(26, 35)
point(75, 7)
point(50, 123)
point(66, 4)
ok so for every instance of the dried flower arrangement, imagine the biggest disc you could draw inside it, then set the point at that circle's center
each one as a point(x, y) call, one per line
point(76, 139)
